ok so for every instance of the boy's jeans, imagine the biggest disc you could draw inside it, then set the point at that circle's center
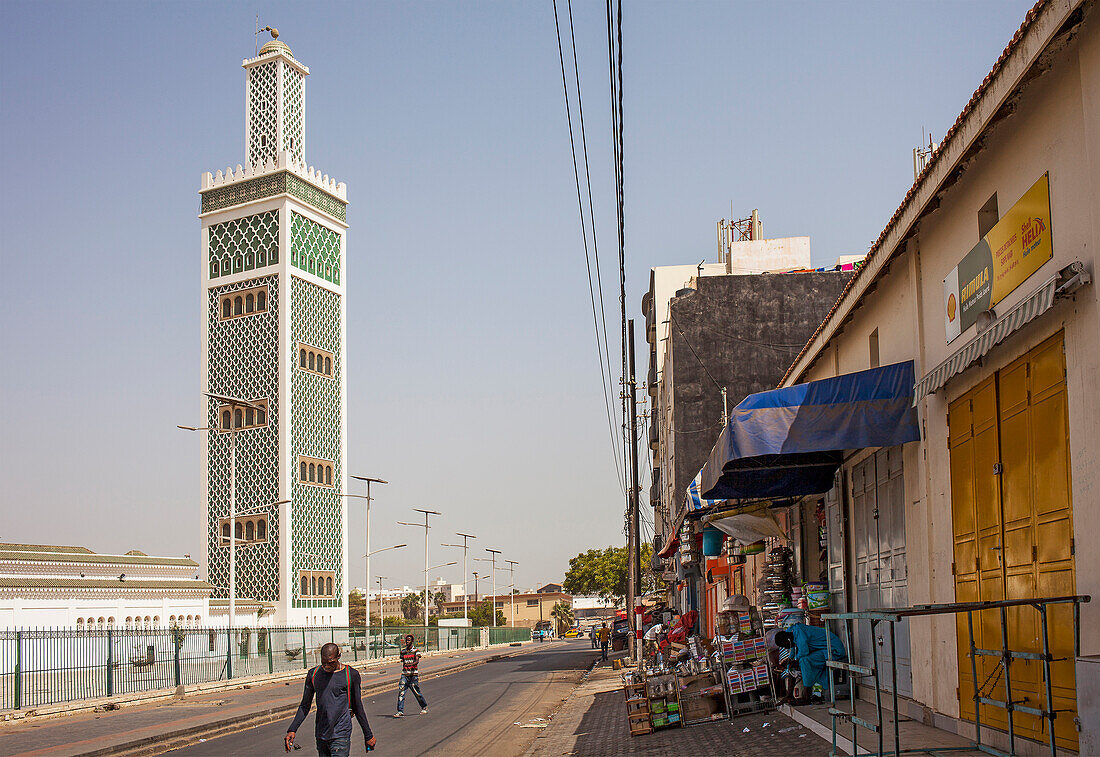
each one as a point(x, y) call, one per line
point(409, 681)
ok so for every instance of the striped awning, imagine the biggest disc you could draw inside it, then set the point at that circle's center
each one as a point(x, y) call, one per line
point(1035, 304)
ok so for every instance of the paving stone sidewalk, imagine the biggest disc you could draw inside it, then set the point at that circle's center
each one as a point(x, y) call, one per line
point(593, 722)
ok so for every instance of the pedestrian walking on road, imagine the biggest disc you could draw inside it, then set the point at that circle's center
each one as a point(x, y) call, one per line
point(410, 678)
point(592, 632)
point(339, 694)
point(605, 639)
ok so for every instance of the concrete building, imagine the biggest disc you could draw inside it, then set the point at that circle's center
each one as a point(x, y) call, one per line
point(73, 587)
point(272, 327)
point(983, 279)
point(530, 607)
point(590, 609)
point(718, 331)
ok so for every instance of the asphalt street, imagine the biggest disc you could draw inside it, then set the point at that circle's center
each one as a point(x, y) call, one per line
point(471, 712)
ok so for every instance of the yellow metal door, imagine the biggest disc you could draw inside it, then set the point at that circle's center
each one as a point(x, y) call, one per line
point(1012, 518)
point(1038, 555)
point(976, 511)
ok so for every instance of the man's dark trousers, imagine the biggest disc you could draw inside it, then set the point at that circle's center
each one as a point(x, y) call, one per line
point(334, 747)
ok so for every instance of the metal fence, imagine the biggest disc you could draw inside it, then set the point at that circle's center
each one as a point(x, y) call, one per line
point(41, 667)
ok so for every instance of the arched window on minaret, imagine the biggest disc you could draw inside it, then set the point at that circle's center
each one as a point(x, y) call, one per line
point(225, 531)
point(238, 306)
point(238, 418)
point(250, 531)
point(238, 530)
point(227, 308)
point(261, 300)
point(225, 419)
point(261, 530)
point(312, 472)
point(305, 587)
point(302, 358)
point(249, 303)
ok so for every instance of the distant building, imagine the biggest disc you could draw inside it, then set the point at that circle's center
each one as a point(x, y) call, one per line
point(594, 608)
point(549, 588)
point(73, 587)
point(530, 607)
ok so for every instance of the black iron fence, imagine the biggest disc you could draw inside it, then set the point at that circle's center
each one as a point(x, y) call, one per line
point(40, 667)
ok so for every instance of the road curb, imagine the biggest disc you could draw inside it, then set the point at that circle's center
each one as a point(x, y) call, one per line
point(184, 737)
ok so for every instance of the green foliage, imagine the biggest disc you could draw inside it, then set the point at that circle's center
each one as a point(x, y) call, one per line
point(603, 572)
point(357, 608)
point(481, 614)
point(412, 606)
point(393, 620)
point(563, 614)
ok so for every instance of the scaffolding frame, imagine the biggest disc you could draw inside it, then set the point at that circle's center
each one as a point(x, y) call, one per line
point(891, 616)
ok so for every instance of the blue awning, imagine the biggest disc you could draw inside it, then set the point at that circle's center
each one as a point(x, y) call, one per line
point(790, 442)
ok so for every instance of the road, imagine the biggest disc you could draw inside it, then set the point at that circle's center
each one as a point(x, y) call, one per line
point(471, 712)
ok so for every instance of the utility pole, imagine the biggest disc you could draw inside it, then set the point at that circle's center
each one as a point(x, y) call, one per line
point(512, 590)
point(494, 553)
point(636, 552)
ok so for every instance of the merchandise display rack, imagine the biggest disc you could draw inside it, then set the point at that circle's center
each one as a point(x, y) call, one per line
point(637, 708)
point(746, 669)
point(663, 695)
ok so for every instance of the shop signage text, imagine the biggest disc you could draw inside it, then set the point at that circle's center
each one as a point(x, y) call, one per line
point(1012, 250)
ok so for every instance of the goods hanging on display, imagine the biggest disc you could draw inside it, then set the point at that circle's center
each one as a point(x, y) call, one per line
point(776, 584)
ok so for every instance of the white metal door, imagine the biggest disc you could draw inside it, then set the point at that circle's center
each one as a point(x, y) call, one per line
point(881, 574)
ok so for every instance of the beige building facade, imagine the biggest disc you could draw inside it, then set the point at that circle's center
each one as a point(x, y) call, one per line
point(996, 498)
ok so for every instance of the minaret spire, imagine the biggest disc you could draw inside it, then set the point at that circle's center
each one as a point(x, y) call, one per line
point(275, 103)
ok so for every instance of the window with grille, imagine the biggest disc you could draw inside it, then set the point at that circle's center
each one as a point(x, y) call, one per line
point(243, 303)
point(315, 360)
point(316, 584)
point(315, 472)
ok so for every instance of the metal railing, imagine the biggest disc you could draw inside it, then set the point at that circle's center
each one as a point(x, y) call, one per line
point(1005, 656)
point(40, 667)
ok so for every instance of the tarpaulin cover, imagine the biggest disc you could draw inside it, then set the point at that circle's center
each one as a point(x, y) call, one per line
point(694, 501)
point(747, 527)
point(789, 442)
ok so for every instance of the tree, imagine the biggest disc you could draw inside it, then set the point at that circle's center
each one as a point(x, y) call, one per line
point(412, 606)
point(563, 614)
point(357, 608)
point(438, 599)
point(481, 614)
point(603, 572)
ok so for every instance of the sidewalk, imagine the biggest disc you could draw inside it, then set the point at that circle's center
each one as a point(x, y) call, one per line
point(156, 727)
point(593, 722)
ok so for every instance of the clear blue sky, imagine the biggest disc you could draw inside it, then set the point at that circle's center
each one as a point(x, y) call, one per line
point(473, 381)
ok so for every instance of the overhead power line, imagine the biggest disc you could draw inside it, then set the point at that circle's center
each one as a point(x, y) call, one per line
point(601, 350)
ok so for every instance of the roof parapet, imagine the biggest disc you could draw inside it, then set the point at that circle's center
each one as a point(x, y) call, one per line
point(282, 163)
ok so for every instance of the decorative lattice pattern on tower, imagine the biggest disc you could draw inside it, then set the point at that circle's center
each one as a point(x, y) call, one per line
point(314, 248)
point(294, 135)
point(244, 244)
point(243, 362)
point(315, 432)
point(283, 182)
point(263, 109)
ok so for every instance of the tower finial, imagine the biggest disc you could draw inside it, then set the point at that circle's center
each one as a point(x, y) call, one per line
point(272, 29)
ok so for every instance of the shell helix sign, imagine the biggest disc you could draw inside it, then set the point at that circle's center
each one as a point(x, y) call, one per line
point(1005, 257)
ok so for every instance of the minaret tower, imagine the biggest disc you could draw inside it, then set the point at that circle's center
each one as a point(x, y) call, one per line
point(273, 315)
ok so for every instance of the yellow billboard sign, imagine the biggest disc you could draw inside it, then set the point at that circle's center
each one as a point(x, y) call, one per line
point(1005, 257)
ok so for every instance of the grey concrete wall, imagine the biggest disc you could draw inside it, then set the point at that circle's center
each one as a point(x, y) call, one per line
point(745, 330)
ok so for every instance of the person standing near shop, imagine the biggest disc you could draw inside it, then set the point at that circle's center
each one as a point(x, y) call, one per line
point(605, 639)
point(410, 677)
point(338, 689)
point(593, 632)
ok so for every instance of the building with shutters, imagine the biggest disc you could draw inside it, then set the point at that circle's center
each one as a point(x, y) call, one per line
point(983, 278)
point(273, 335)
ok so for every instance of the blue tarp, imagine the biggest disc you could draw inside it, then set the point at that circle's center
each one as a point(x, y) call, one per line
point(790, 442)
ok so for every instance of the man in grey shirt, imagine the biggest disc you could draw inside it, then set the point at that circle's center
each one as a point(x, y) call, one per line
point(339, 694)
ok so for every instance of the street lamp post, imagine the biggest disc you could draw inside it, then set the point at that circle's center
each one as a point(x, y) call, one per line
point(381, 618)
point(475, 587)
point(512, 590)
point(235, 403)
point(425, 526)
point(369, 480)
point(366, 595)
point(465, 545)
point(494, 553)
point(426, 587)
